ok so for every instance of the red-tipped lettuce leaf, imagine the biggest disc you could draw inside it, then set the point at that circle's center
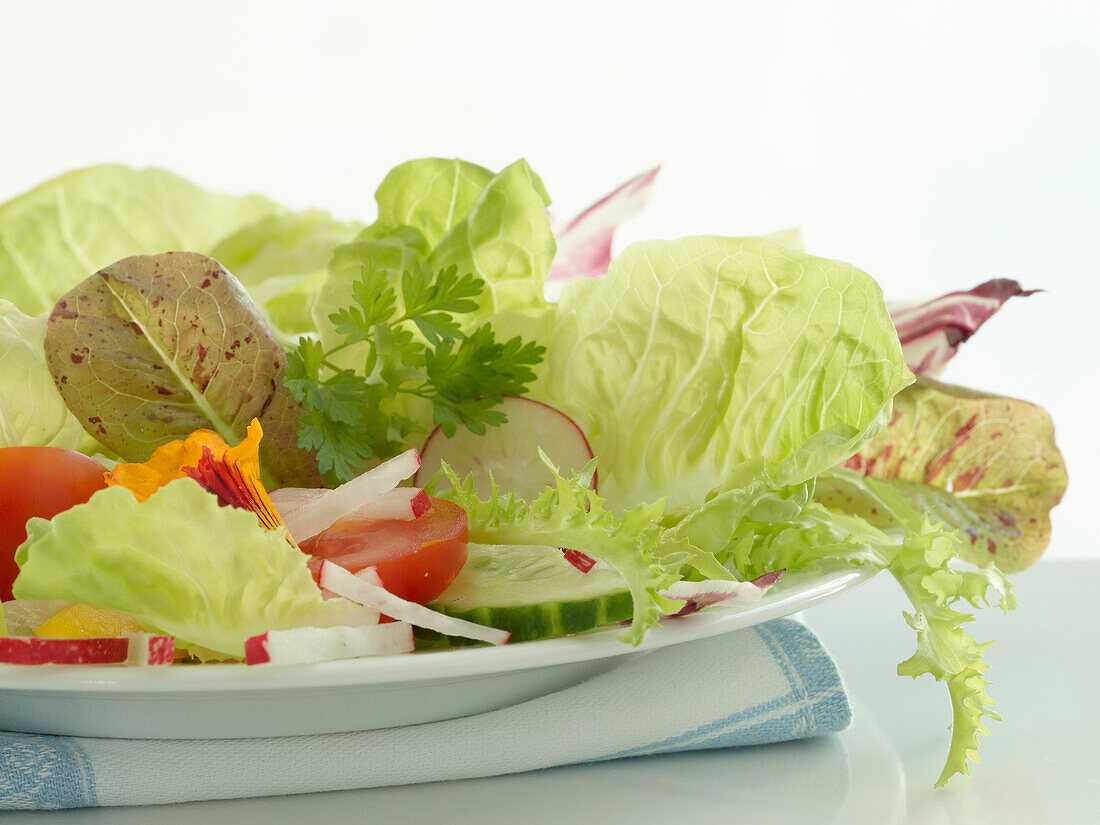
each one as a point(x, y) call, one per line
point(983, 465)
point(584, 243)
point(154, 347)
point(932, 331)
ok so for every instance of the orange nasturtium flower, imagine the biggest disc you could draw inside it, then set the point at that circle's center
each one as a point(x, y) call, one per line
point(230, 473)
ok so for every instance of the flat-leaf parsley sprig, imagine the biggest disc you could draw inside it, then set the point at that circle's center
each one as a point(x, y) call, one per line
point(350, 416)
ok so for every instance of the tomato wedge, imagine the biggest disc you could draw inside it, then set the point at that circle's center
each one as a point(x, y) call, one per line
point(416, 559)
point(38, 481)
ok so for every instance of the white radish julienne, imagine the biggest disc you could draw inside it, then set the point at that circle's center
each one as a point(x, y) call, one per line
point(363, 589)
point(312, 517)
point(307, 645)
point(511, 451)
point(401, 503)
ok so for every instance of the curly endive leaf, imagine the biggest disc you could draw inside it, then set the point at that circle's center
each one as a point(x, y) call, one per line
point(987, 466)
point(944, 649)
point(570, 514)
point(921, 564)
point(154, 347)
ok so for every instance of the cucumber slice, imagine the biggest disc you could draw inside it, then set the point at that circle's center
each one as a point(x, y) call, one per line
point(511, 451)
point(531, 592)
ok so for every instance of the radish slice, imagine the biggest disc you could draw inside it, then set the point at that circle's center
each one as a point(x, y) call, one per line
point(401, 503)
point(712, 591)
point(306, 645)
point(362, 589)
point(325, 510)
point(511, 451)
point(150, 649)
point(35, 650)
point(289, 499)
point(582, 561)
point(132, 649)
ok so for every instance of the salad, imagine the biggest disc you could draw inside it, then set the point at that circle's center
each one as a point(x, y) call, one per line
point(232, 431)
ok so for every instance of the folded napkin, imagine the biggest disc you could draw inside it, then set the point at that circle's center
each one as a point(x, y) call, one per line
point(769, 683)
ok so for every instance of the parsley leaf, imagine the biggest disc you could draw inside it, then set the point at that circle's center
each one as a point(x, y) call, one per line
point(350, 414)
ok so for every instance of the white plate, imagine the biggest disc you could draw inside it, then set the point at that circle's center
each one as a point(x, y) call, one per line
point(238, 701)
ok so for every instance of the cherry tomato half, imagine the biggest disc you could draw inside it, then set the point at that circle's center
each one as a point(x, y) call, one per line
point(416, 559)
point(38, 481)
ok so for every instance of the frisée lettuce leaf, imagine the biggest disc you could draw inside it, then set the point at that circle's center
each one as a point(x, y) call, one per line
point(571, 514)
point(921, 562)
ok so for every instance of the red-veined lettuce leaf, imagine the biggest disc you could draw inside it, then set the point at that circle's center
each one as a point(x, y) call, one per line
point(154, 347)
point(584, 242)
point(983, 465)
point(932, 331)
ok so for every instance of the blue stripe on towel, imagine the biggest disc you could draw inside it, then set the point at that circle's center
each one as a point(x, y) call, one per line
point(44, 772)
point(816, 703)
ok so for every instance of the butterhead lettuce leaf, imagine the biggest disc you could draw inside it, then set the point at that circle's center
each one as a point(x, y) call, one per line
point(450, 213)
point(707, 363)
point(32, 412)
point(63, 230)
point(180, 564)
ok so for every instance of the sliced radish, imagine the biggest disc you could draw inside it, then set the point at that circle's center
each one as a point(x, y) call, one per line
point(311, 517)
point(306, 645)
point(35, 650)
point(150, 649)
point(400, 503)
point(511, 451)
point(289, 499)
point(132, 649)
point(712, 591)
point(364, 590)
point(582, 561)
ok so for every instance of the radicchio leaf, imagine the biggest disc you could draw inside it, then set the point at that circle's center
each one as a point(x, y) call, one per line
point(584, 243)
point(932, 331)
point(985, 466)
point(154, 347)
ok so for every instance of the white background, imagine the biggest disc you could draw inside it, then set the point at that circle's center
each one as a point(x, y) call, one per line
point(934, 144)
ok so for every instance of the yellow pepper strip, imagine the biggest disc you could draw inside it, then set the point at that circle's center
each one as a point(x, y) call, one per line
point(76, 621)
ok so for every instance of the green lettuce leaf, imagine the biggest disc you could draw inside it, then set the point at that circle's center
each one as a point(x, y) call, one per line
point(282, 260)
point(506, 240)
point(180, 564)
point(57, 234)
point(987, 467)
point(571, 514)
point(32, 412)
point(450, 213)
point(921, 563)
point(430, 195)
point(154, 347)
point(703, 364)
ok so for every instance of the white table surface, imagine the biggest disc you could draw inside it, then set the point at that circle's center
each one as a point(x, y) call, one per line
point(1039, 766)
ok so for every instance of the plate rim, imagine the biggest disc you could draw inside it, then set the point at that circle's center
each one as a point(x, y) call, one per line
point(811, 588)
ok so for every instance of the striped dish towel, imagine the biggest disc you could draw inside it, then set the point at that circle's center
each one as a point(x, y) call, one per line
point(770, 683)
